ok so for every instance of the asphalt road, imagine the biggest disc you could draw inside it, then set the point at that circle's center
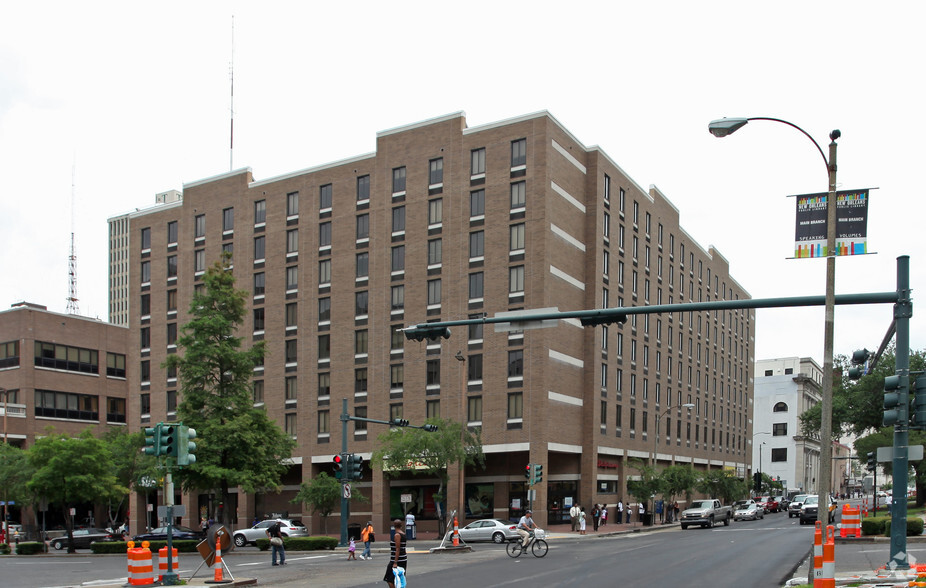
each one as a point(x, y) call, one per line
point(759, 554)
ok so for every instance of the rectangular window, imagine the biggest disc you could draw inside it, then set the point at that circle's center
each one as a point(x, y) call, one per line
point(363, 265)
point(199, 260)
point(324, 197)
point(474, 368)
point(172, 233)
point(477, 203)
point(324, 272)
point(435, 211)
point(292, 204)
point(199, 226)
point(361, 303)
point(516, 280)
point(292, 314)
point(398, 219)
point(323, 424)
point(515, 406)
point(360, 427)
point(363, 226)
point(291, 351)
point(478, 161)
point(115, 365)
point(476, 286)
point(292, 388)
point(260, 248)
point(396, 377)
point(432, 371)
point(398, 180)
point(363, 188)
point(228, 220)
point(436, 171)
point(361, 342)
point(145, 339)
point(780, 454)
point(518, 195)
point(292, 241)
point(516, 363)
point(396, 411)
point(434, 292)
point(324, 309)
point(171, 300)
point(607, 225)
point(259, 284)
point(518, 152)
point(146, 272)
point(146, 238)
point(258, 319)
point(435, 251)
point(145, 304)
point(229, 249)
point(398, 297)
point(474, 409)
point(292, 277)
point(516, 237)
point(607, 188)
point(257, 391)
point(779, 429)
point(324, 347)
point(398, 258)
point(324, 385)
point(476, 245)
point(360, 381)
point(324, 236)
point(260, 212)
point(145, 371)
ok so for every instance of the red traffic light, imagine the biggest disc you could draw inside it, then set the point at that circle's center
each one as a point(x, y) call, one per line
point(337, 462)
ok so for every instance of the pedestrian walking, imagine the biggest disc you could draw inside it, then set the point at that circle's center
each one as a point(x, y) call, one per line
point(276, 544)
point(367, 536)
point(398, 557)
point(581, 521)
point(629, 512)
point(410, 525)
point(596, 517)
point(641, 509)
point(351, 548)
point(620, 511)
point(604, 515)
point(574, 517)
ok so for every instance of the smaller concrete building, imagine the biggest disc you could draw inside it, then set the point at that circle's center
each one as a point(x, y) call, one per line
point(784, 389)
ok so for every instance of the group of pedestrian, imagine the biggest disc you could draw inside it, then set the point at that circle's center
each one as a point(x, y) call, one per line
point(398, 556)
point(579, 518)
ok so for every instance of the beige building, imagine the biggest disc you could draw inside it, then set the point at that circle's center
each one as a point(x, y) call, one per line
point(445, 222)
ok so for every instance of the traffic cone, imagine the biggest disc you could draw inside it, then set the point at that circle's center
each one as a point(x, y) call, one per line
point(456, 532)
point(218, 562)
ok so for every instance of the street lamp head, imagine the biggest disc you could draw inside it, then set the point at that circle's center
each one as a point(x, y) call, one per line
point(726, 126)
point(835, 134)
point(688, 406)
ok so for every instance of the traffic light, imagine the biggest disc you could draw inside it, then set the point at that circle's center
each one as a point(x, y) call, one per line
point(338, 466)
point(429, 333)
point(602, 319)
point(859, 359)
point(186, 447)
point(528, 473)
point(355, 465)
point(872, 463)
point(399, 422)
point(430, 428)
point(152, 434)
point(757, 482)
point(538, 473)
point(170, 440)
point(918, 421)
point(895, 405)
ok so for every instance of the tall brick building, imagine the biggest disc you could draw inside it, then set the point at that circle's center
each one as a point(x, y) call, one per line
point(448, 222)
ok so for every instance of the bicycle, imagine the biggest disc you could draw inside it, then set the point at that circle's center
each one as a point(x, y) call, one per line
point(535, 541)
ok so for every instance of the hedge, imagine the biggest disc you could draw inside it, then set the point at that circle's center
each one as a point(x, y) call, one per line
point(914, 527)
point(30, 548)
point(874, 525)
point(301, 543)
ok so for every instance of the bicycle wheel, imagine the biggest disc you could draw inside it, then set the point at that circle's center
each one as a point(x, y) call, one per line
point(514, 549)
point(540, 548)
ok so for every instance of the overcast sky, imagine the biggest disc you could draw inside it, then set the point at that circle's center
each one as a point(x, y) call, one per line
point(135, 97)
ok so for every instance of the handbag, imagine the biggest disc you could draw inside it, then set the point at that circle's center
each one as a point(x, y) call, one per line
point(276, 541)
point(372, 537)
point(399, 575)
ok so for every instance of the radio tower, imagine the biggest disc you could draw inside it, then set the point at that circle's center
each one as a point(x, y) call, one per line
point(72, 257)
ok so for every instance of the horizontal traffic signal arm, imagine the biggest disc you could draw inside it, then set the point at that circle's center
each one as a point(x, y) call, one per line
point(436, 330)
point(392, 423)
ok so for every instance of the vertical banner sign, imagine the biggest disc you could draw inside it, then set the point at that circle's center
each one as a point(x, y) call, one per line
point(851, 224)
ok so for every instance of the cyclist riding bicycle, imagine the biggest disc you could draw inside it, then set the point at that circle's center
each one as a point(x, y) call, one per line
point(525, 526)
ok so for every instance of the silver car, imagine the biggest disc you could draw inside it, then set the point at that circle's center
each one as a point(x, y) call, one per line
point(747, 510)
point(288, 528)
point(495, 530)
point(794, 507)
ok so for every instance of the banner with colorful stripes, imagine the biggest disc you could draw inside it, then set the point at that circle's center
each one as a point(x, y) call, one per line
point(851, 224)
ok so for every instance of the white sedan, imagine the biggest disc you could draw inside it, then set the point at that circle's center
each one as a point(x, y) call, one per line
point(495, 530)
point(747, 510)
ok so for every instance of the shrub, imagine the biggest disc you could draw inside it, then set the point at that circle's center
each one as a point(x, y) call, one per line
point(873, 525)
point(914, 527)
point(4, 549)
point(301, 543)
point(30, 548)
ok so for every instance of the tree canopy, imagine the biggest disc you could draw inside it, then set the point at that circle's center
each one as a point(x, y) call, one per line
point(237, 443)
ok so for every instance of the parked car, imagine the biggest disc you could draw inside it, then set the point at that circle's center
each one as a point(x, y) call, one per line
point(809, 510)
point(747, 510)
point(772, 504)
point(782, 502)
point(83, 538)
point(288, 528)
point(495, 530)
point(180, 532)
point(794, 507)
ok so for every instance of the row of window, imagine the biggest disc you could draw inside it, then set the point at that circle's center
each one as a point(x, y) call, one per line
point(77, 359)
point(81, 407)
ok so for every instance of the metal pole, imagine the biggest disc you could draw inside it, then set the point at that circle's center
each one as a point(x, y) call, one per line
point(345, 502)
point(462, 493)
point(903, 310)
point(170, 577)
point(6, 409)
point(826, 413)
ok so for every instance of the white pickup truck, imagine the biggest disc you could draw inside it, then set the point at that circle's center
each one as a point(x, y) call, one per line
point(706, 513)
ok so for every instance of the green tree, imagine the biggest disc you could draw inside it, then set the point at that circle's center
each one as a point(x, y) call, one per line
point(678, 480)
point(322, 495)
point(70, 471)
point(432, 454)
point(130, 466)
point(723, 485)
point(647, 485)
point(237, 444)
point(15, 472)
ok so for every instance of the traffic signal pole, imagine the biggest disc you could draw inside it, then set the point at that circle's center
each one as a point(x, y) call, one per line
point(345, 501)
point(903, 310)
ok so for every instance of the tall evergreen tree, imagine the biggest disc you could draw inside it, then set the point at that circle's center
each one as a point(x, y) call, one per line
point(238, 445)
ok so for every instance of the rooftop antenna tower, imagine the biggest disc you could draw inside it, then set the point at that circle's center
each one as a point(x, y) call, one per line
point(72, 256)
point(231, 75)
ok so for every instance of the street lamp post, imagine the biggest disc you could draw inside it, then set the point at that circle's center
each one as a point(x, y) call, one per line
point(727, 126)
point(659, 422)
point(461, 514)
point(6, 408)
